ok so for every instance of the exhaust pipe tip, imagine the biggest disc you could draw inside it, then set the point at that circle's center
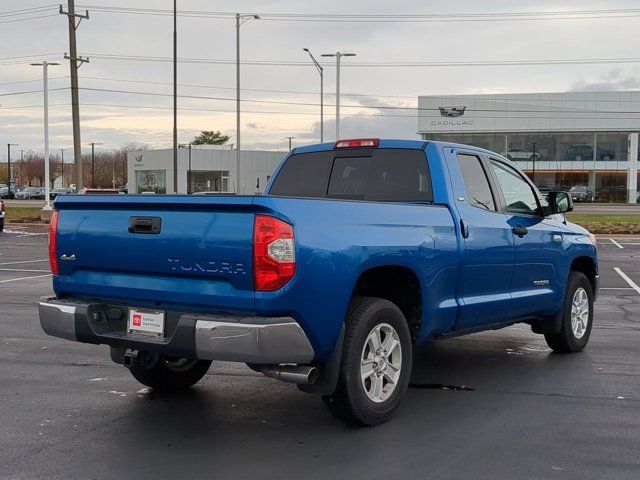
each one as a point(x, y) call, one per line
point(298, 374)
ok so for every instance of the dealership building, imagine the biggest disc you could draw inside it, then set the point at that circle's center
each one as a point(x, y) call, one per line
point(560, 140)
point(201, 168)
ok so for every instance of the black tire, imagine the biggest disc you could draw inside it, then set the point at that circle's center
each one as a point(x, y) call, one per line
point(2, 225)
point(566, 341)
point(168, 375)
point(350, 402)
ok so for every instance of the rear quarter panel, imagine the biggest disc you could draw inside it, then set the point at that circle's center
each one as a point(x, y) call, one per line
point(336, 241)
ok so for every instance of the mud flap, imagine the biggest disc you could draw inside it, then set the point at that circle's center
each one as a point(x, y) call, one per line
point(328, 379)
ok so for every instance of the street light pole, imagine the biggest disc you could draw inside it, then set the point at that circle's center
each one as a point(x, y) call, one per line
point(321, 71)
point(240, 19)
point(47, 173)
point(175, 99)
point(9, 145)
point(338, 56)
point(290, 138)
point(93, 164)
point(62, 166)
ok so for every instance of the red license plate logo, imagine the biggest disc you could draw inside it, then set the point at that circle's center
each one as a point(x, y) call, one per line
point(137, 320)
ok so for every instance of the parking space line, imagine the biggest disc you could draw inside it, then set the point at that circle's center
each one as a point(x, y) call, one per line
point(24, 278)
point(22, 270)
point(24, 261)
point(616, 243)
point(624, 276)
point(615, 288)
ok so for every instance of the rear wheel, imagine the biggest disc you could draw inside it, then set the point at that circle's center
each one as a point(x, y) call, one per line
point(577, 317)
point(2, 225)
point(169, 374)
point(376, 363)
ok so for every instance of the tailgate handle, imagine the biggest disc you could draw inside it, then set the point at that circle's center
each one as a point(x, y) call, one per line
point(145, 225)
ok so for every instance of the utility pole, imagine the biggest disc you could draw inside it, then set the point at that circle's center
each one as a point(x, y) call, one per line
point(338, 56)
point(240, 19)
point(62, 166)
point(533, 159)
point(21, 164)
point(290, 138)
point(175, 98)
point(9, 145)
point(93, 164)
point(47, 160)
point(321, 71)
point(74, 61)
point(189, 189)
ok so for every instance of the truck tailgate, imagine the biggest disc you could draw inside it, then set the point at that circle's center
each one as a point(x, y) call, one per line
point(179, 252)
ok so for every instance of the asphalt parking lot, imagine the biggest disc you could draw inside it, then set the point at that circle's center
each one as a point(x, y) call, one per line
point(68, 412)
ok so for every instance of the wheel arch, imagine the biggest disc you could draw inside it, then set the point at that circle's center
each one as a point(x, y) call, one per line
point(398, 284)
point(587, 266)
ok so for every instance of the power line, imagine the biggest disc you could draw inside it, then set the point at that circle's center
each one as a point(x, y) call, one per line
point(387, 18)
point(260, 90)
point(29, 18)
point(370, 64)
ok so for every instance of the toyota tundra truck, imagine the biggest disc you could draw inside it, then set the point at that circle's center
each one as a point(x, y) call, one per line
point(356, 252)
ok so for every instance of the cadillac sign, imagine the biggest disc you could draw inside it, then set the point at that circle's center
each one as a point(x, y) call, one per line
point(452, 112)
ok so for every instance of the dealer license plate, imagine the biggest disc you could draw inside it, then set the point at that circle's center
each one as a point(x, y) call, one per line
point(148, 322)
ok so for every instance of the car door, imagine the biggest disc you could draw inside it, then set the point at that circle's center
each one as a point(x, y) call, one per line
point(488, 246)
point(536, 288)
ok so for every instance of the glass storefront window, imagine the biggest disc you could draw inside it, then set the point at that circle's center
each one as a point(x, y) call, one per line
point(151, 181)
point(208, 181)
point(611, 186)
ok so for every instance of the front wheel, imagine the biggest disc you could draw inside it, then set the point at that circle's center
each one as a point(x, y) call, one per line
point(376, 363)
point(169, 374)
point(577, 317)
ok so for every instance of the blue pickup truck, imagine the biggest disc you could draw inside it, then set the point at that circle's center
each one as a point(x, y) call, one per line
point(356, 252)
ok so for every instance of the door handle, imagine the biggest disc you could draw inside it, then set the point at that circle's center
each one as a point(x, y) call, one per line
point(520, 231)
point(145, 225)
point(464, 228)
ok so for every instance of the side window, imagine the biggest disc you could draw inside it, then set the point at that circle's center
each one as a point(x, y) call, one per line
point(518, 194)
point(476, 182)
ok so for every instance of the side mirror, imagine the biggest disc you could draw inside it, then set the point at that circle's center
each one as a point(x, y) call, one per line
point(560, 202)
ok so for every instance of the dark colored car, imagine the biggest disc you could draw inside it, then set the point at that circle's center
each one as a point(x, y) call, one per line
point(2, 214)
point(579, 153)
point(59, 191)
point(581, 193)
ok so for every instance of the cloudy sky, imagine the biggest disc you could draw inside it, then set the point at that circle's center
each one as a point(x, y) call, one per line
point(282, 96)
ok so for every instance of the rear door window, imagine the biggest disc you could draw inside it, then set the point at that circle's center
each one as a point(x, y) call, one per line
point(476, 182)
point(381, 175)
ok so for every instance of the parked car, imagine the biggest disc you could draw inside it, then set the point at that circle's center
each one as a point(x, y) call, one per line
point(4, 192)
point(585, 152)
point(355, 254)
point(59, 191)
point(100, 191)
point(30, 193)
point(581, 193)
point(2, 214)
point(521, 154)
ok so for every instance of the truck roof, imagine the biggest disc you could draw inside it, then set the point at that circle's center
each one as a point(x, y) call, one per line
point(392, 143)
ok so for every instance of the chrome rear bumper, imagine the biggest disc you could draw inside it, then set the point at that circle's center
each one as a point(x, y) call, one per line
point(250, 339)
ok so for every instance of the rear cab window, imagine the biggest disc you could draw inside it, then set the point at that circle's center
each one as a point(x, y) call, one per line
point(378, 175)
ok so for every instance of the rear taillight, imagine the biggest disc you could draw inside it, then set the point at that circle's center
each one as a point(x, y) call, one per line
point(357, 143)
point(274, 258)
point(53, 243)
point(2, 207)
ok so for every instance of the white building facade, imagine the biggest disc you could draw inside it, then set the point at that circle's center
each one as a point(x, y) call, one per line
point(560, 139)
point(200, 169)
